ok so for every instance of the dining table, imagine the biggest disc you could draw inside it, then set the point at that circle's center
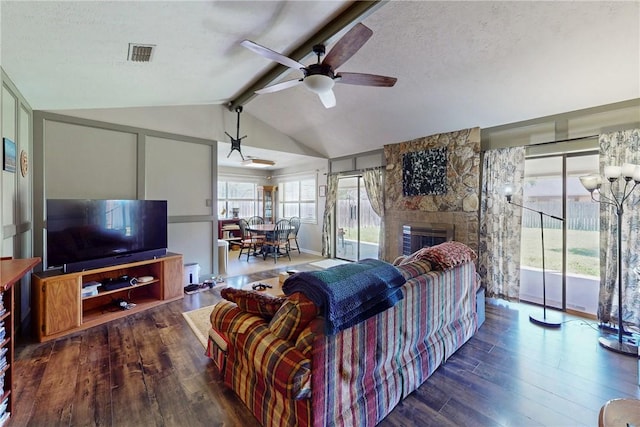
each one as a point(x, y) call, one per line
point(261, 228)
point(267, 230)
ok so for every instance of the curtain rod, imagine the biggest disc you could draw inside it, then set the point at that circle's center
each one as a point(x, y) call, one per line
point(580, 138)
point(356, 170)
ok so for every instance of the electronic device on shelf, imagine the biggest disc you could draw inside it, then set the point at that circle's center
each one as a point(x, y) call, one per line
point(113, 283)
point(85, 234)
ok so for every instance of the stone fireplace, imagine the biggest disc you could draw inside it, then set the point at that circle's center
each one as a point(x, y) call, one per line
point(455, 209)
point(416, 237)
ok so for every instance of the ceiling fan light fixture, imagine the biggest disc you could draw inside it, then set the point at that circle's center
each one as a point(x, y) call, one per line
point(257, 163)
point(319, 83)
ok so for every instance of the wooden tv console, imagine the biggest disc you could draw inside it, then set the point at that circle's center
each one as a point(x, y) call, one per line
point(60, 309)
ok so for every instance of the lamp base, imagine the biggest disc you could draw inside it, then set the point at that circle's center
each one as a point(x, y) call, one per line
point(545, 321)
point(613, 330)
point(627, 346)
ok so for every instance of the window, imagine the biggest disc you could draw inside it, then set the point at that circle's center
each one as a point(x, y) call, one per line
point(298, 198)
point(236, 195)
point(572, 246)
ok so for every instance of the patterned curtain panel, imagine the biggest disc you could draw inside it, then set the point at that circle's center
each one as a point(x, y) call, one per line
point(500, 222)
point(374, 184)
point(330, 204)
point(617, 148)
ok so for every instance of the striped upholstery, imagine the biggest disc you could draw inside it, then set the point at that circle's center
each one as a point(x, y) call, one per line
point(360, 374)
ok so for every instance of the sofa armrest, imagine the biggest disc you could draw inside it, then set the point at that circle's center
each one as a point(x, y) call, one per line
point(278, 361)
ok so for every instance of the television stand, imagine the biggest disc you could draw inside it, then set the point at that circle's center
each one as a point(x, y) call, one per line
point(60, 308)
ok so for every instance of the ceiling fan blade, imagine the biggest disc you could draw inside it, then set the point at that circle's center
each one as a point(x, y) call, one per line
point(272, 55)
point(328, 99)
point(279, 86)
point(349, 44)
point(365, 79)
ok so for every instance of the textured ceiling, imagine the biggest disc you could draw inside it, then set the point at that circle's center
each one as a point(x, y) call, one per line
point(458, 64)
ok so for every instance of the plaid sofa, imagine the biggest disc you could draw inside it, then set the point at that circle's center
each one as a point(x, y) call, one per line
point(357, 376)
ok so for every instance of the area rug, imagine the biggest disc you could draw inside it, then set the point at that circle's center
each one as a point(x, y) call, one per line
point(200, 323)
point(326, 263)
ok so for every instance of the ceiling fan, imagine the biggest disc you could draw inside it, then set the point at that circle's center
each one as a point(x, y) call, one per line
point(320, 77)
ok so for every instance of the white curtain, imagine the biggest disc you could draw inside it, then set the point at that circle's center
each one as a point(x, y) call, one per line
point(374, 184)
point(617, 148)
point(500, 222)
point(330, 204)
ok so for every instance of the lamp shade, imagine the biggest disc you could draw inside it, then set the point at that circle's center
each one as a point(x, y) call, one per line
point(508, 190)
point(628, 169)
point(612, 172)
point(591, 182)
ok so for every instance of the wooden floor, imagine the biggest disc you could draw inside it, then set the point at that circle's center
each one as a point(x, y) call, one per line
point(150, 370)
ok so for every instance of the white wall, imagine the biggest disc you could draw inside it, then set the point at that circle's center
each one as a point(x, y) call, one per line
point(199, 121)
point(88, 162)
point(158, 153)
point(92, 159)
point(310, 235)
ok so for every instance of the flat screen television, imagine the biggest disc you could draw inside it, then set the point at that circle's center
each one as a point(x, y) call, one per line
point(84, 234)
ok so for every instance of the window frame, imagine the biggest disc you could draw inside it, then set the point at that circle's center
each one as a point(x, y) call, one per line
point(299, 201)
point(226, 200)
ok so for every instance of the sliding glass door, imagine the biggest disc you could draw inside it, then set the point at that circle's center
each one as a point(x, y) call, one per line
point(571, 246)
point(357, 225)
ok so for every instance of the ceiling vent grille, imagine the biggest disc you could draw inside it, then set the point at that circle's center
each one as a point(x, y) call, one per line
point(140, 52)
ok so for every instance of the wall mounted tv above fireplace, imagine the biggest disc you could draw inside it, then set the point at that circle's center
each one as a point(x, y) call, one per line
point(85, 234)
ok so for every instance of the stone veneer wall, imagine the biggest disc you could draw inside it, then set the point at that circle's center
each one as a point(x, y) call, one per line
point(459, 206)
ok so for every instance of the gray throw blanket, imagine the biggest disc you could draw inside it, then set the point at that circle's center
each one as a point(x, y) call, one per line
point(349, 293)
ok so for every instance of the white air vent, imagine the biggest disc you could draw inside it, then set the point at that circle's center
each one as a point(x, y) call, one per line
point(140, 52)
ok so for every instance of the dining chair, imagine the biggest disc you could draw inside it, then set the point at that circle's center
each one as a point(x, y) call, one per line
point(256, 220)
point(247, 241)
point(277, 242)
point(293, 234)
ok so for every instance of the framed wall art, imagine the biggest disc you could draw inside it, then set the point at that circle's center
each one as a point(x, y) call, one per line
point(425, 172)
point(9, 155)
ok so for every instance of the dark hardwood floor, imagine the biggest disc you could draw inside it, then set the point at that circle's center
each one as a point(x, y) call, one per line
point(149, 370)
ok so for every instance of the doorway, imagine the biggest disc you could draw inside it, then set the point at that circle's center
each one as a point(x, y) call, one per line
point(357, 225)
point(572, 260)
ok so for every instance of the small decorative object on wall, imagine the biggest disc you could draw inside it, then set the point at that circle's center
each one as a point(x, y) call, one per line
point(24, 163)
point(9, 158)
point(424, 172)
point(322, 191)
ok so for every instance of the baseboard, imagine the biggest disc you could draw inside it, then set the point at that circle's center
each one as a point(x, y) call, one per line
point(307, 251)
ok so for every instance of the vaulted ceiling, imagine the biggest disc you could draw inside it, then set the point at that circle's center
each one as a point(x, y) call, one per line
point(459, 64)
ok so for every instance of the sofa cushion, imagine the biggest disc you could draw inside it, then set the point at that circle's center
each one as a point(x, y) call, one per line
point(419, 255)
point(253, 302)
point(448, 254)
point(293, 316)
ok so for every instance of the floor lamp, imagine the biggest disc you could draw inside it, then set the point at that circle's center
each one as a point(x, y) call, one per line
point(593, 183)
point(544, 321)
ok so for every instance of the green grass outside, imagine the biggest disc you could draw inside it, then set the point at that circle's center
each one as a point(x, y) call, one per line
point(367, 234)
point(583, 255)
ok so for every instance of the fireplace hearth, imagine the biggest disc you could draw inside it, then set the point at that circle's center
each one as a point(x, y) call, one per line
point(416, 237)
